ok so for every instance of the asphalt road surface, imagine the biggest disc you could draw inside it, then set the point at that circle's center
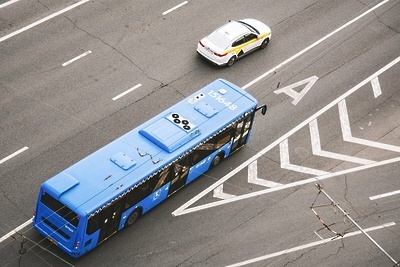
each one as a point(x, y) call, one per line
point(330, 78)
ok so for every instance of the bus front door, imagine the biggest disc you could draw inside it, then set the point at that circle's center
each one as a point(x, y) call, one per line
point(241, 133)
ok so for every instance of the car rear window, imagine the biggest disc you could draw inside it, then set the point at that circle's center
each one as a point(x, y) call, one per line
point(219, 40)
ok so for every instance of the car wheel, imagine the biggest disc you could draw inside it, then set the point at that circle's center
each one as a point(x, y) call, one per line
point(231, 61)
point(264, 43)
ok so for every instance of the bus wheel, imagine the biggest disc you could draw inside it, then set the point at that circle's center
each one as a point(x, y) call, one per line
point(132, 218)
point(218, 158)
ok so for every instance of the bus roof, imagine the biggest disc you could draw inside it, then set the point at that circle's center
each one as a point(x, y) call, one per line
point(113, 169)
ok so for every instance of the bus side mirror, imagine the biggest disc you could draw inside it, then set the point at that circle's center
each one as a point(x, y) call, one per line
point(263, 109)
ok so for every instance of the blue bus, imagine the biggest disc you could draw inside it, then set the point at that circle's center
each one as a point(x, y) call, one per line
point(110, 189)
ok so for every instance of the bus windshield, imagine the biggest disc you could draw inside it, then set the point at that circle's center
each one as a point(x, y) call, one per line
point(60, 209)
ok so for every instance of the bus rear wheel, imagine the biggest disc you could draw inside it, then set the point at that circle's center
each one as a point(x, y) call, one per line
point(132, 218)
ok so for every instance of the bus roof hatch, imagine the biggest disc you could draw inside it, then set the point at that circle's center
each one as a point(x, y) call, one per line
point(170, 132)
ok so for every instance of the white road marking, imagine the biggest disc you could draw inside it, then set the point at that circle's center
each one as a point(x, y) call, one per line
point(346, 130)
point(219, 193)
point(15, 230)
point(253, 177)
point(8, 3)
point(13, 154)
point(376, 87)
point(313, 45)
point(316, 148)
point(42, 20)
point(175, 7)
point(127, 92)
point(285, 161)
point(385, 195)
point(184, 208)
point(76, 58)
point(309, 245)
point(297, 96)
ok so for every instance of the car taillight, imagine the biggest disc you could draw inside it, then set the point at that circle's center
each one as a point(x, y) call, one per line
point(201, 43)
point(220, 55)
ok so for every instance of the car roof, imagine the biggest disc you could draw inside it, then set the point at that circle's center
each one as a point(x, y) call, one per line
point(232, 30)
point(226, 34)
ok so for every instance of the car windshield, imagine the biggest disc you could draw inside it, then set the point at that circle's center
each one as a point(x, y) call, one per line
point(219, 40)
point(251, 28)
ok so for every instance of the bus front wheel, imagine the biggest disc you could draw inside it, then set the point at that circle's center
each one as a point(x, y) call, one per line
point(132, 218)
point(217, 159)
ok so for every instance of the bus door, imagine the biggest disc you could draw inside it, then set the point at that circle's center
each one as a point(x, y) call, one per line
point(180, 171)
point(242, 132)
point(110, 219)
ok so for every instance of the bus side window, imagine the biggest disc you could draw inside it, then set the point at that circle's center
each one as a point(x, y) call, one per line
point(212, 145)
point(160, 179)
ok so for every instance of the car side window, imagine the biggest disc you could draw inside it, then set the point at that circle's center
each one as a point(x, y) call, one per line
point(250, 37)
point(239, 42)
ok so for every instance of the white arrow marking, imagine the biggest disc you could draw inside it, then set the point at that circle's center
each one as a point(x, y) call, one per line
point(252, 177)
point(219, 193)
point(285, 162)
point(316, 147)
point(346, 131)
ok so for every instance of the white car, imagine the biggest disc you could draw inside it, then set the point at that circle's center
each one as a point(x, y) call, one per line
point(234, 40)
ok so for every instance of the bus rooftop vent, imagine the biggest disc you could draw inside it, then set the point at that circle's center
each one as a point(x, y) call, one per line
point(123, 160)
point(170, 132)
point(206, 109)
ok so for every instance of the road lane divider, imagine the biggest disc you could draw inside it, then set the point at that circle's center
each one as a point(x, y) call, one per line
point(42, 20)
point(76, 58)
point(174, 8)
point(385, 195)
point(8, 3)
point(127, 92)
point(309, 245)
point(13, 154)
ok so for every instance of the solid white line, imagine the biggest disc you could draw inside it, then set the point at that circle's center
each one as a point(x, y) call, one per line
point(13, 154)
point(309, 245)
point(8, 3)
point(16, 230)
point(175, 7)
point(42, 20)
point(76, 58)
point(126, 92)
point(312, 46)
point(184, 208)
point(385, 195)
